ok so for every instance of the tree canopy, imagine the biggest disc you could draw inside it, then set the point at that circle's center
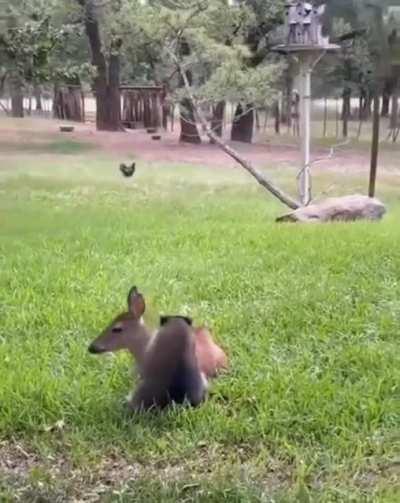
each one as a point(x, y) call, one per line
point(224, 45)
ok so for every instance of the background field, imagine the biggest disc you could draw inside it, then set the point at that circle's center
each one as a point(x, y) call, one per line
point(309, 316)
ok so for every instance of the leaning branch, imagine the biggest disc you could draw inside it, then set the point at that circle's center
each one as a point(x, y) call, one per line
point(4, 108)
point(261, 179)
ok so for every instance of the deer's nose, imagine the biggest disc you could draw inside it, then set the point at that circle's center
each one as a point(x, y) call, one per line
point(95, 349)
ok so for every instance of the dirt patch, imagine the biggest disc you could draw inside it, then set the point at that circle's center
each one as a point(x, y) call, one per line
point(29, 477)
point(26, 473)
point(139, 144)
point(55, 478)
point(272, 152)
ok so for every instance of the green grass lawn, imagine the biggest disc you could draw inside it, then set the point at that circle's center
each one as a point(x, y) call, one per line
point(309, 316)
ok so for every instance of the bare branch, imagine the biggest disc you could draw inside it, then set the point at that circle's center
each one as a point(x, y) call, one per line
point(332, 149)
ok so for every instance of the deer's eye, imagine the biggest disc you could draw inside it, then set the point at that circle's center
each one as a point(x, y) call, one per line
point(117, 329)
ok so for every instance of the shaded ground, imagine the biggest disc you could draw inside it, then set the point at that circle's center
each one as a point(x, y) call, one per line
point(169, 149)
point(26, 476)
point(269, 151)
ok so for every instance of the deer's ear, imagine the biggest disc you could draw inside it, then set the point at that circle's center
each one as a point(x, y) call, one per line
point(136, 304)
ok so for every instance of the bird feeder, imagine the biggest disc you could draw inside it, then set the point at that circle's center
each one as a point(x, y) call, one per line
point(306, 44)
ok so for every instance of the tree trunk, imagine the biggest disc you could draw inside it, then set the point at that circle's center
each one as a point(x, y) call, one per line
point(243, 124)
point(265, 126)
point(30, 103)
point(361, 101)
point(108, 97)
point(368, 106)
point(286, 115)
point(277, 117)
point(172, 117)
point(106, 82)
point(374, 145)
point(17, 98)
point(166, 112)
point(385, 104)
point(156, 110)
point(189, 131)
point(387, 91)
point(67, 103)
point(37, 92)
point(217, 120)
point(337, 115)
point(83, 108)
point(113, 118)
point(346, 111)
point(394, 117)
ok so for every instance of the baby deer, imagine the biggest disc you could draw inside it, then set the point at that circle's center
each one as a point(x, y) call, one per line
point(127, 331)
point(173, 364)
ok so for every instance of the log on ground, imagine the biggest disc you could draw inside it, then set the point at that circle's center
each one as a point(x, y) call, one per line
point(342, 209)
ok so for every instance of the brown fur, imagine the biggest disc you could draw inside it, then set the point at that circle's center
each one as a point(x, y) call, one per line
point(212, 359)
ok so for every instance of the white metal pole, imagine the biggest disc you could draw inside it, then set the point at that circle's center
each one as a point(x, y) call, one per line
point(305, 130)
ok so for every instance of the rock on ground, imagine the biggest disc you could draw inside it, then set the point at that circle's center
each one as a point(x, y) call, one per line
point(345, 209)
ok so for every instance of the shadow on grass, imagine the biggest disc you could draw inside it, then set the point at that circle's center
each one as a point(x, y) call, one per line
point(55, 146)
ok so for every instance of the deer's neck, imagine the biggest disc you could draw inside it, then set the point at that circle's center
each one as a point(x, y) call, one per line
point(137, 345)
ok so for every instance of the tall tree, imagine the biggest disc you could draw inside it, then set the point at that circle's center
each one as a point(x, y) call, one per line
point(267, 15)
point(27, 40)
point(106, 82)
point(349, 72)
point(189, 130)
point(379, 46)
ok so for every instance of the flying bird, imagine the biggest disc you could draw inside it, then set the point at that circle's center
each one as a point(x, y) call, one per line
point(127, 170)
